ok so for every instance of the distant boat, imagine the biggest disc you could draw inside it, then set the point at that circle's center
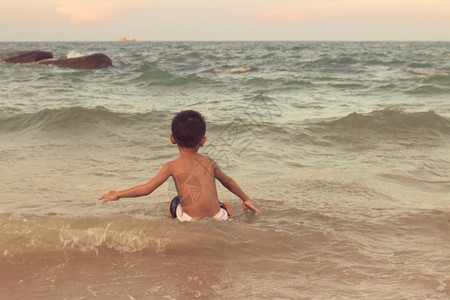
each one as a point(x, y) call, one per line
point(124, 39)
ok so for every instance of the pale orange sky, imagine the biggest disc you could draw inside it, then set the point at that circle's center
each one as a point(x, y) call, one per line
point(107, 20)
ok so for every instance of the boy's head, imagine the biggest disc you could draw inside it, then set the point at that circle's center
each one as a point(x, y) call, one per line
point(188, 128)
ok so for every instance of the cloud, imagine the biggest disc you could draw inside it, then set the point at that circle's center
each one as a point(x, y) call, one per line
point(95, 12)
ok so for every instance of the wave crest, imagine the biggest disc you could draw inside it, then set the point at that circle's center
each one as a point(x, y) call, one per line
point(74, 118)
point(24, 235)
point(393, 121)
point(428, 73)
point(390, 125)
point(238, 70)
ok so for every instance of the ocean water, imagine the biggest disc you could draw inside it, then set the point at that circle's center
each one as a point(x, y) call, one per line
point(344, 147)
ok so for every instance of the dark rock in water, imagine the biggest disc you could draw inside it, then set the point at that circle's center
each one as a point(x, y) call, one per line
point(29, 57)
point(92, 61)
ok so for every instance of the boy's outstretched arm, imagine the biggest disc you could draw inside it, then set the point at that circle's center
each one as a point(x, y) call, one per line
point(233, 187)
point(139, 190)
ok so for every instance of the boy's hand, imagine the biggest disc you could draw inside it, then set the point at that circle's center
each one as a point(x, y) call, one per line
point(111, 196)
point(247, 204)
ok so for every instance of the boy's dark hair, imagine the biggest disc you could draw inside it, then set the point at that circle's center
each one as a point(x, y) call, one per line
point(188, 128)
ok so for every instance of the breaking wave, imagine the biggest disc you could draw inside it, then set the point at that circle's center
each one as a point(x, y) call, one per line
point(386, 126)
point(395, 126)
point(231, 70)
point(75, 117)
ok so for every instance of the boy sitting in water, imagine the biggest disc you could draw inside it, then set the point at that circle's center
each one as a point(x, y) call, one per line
point(194, 175)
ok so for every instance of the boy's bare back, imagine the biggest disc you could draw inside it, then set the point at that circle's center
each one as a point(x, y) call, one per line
point(194, 174)
point(195, 183)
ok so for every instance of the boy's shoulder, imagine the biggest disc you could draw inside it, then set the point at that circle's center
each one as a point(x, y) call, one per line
point(205, 159)
point(198, 159)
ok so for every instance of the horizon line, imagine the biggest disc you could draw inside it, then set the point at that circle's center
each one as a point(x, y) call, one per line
point(198, 41)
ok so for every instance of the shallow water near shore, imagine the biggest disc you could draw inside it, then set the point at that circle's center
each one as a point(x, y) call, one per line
point(344, 147)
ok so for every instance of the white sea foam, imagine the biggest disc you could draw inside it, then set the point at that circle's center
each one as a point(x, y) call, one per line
point(74, 53)
point(233, 70)
point(428, 73)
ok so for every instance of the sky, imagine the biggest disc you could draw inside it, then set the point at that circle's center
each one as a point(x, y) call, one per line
point(225, 20)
